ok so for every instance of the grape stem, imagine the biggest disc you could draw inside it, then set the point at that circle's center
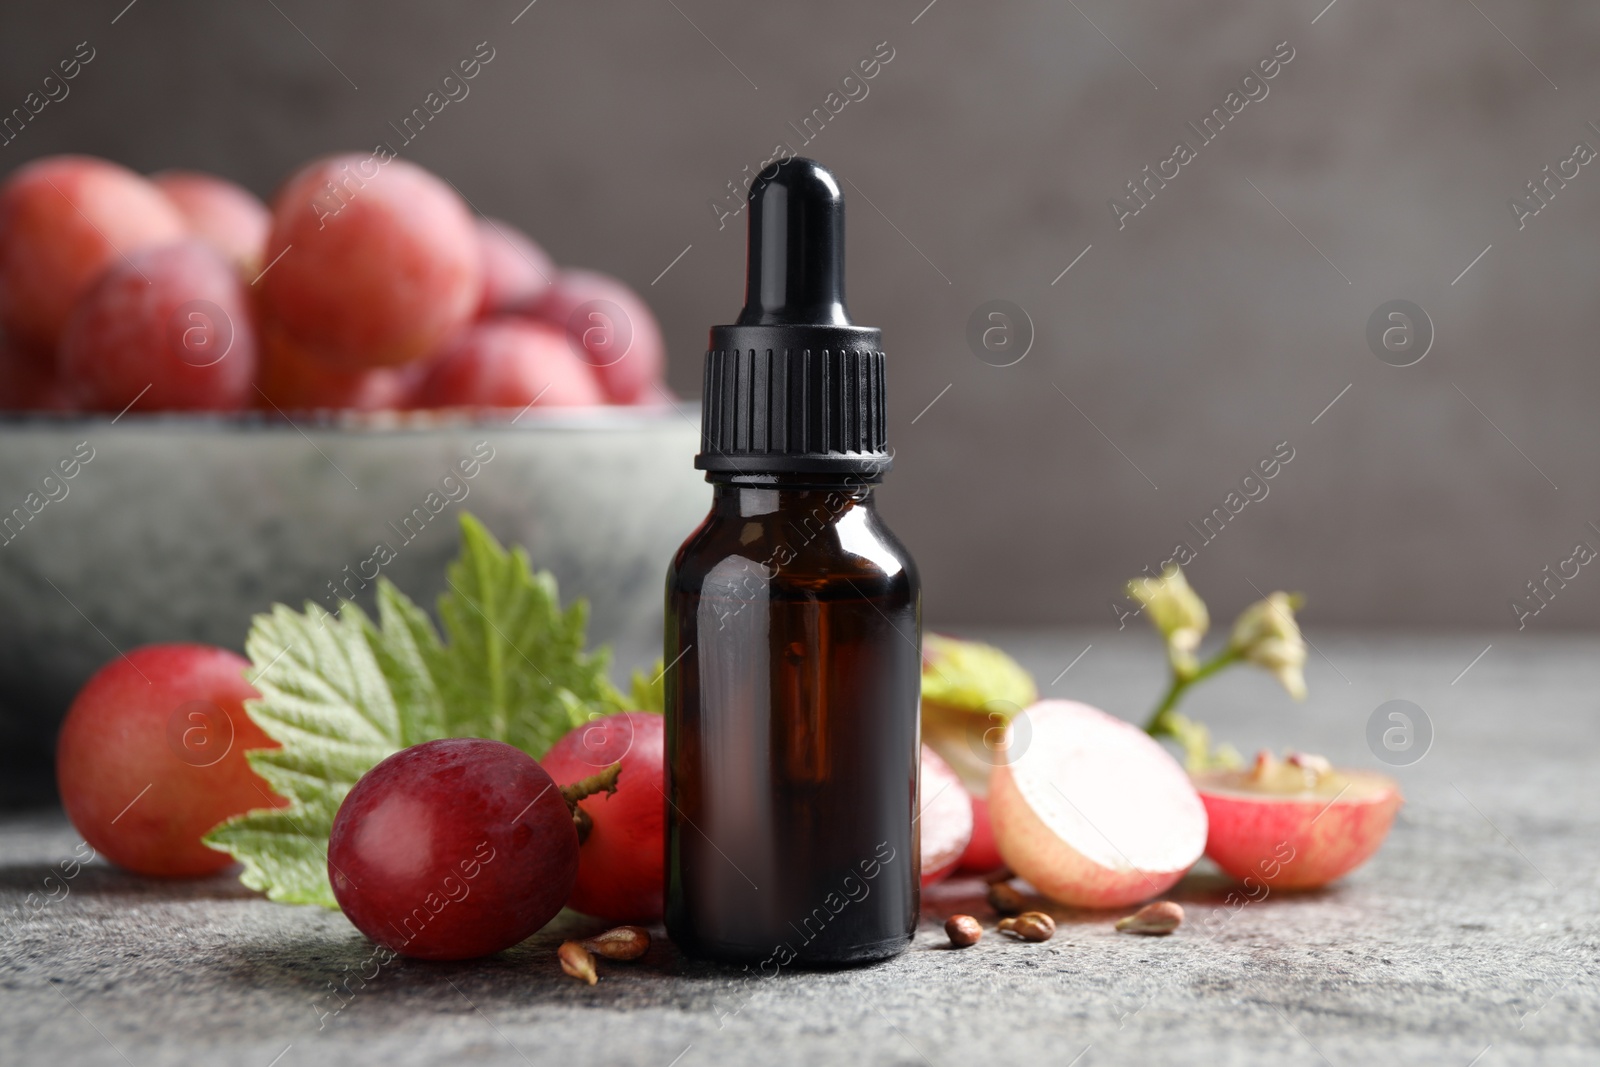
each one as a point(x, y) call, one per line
point(603, 782)
point(1160, 723)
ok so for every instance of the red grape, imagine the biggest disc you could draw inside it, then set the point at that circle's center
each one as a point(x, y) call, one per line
point(982, 854)
point(610, 328)
point(507, 363)
point(173, 318)
point(622, 864)
point(63, 220)
point(453, 849)
point(229, 217)
point(28, 381)
point(151, 757)
point(380, 261)
point(290, 379)
point(515, 270)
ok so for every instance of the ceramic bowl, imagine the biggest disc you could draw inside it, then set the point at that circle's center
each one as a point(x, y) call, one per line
point(118, 533)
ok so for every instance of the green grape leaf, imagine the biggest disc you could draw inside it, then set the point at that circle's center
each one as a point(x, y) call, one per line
point(341, 692)
point(648, 694)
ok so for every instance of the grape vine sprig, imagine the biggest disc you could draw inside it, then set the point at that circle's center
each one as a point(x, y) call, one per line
point(1265, 634)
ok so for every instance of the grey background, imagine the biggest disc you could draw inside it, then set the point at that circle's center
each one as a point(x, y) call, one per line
point(1213, 327)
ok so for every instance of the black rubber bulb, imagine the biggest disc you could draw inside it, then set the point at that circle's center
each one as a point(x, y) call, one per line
point(795, 271)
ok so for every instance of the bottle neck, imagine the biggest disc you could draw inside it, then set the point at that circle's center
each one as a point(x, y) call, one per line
point(747, 496)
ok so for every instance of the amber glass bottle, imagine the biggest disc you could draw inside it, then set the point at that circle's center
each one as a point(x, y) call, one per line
point(793, 626)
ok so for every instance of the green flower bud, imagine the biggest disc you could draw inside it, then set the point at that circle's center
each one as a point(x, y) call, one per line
point(1177, 612)
point(1267, 635)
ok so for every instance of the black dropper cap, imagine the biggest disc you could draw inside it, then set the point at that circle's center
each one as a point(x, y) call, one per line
point(793, 386)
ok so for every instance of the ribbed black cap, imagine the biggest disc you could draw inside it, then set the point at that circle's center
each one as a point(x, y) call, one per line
point(793, 386)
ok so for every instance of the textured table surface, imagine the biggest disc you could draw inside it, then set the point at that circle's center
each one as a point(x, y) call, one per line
point(1471, 938)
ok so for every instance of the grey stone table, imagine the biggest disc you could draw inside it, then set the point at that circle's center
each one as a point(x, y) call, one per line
point(1470, 939)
